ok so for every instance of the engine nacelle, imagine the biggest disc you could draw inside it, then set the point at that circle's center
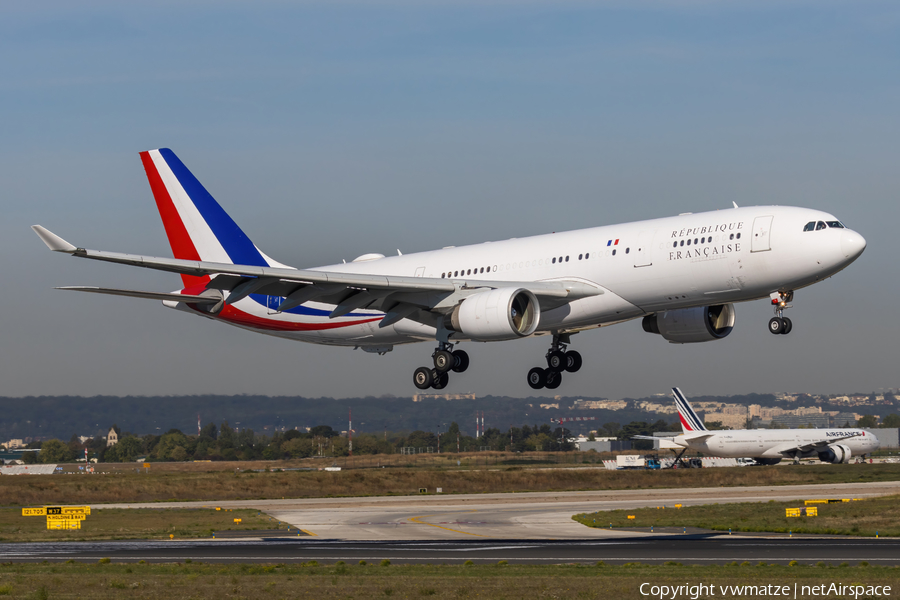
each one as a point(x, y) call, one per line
point(837, 455)
point(495, 315)
point(690, 325)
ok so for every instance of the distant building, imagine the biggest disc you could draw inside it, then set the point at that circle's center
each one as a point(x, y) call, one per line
point(112, 438)
point(13, 444)
point(421, 397)
point(549, 406)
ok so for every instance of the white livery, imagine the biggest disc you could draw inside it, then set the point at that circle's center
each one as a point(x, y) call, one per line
point(681, 275)
point(768, 446)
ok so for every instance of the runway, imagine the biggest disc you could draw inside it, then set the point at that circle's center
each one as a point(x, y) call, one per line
point(529, 528)
point(652, 549)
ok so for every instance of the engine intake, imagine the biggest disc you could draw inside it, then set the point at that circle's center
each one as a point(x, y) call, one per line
point(836, 455)
point(495, 315)
point(691, 325)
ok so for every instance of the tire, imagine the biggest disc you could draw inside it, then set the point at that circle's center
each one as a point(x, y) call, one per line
point(788, 325)
point(537, 378)
point(462, 361)
point(422, 378)
point(556, 360)
point(553, 380)
point(573, 361)
point(441, 381)
point(776, 325)
point(443, 361)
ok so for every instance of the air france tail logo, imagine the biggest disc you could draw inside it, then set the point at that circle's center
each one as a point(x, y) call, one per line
point(689, 419)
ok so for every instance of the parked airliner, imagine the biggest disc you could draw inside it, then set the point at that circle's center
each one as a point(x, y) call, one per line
point(681, 275)
point(766, 446)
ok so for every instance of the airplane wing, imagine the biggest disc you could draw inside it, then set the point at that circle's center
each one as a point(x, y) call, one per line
point(821, 444)
point(399, 296)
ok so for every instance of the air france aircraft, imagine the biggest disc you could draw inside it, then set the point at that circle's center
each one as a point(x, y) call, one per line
point(767, 446)
point(681, 275)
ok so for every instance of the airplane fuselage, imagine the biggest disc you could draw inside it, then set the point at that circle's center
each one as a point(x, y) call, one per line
point(645, 267)
point(772, 443)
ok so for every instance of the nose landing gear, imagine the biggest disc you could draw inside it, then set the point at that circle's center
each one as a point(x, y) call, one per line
point(779, 324)
point(445, 359)
point(558, 360)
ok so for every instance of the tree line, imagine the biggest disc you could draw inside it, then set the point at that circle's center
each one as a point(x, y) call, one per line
point(227, 443)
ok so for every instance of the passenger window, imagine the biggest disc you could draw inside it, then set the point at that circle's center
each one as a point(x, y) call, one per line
point(560, 259)
point(703, 240)
point(731, 237)
point(587, 255)
point(554, 260)
point(738, 236)
point(674, 244)
point(567, 259)
point(820, 225)
point(442, 275)
point(809, 226)
point(835, 224)
point(614, 252)
point(695, 241)
point(682, 242)
point(627, 250)
point(455, 273)
point(579, 257)
point(689, 242)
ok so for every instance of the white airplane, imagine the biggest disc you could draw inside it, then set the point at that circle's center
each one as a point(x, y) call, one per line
point(681, 275)
point(766, 446)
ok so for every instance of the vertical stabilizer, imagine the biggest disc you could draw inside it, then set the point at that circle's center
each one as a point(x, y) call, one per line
point(690, 421)
point(197, 227)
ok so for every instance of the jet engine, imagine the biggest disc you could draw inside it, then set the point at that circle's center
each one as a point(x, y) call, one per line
point(689, 325)
point(495, 315)
point(836, 455)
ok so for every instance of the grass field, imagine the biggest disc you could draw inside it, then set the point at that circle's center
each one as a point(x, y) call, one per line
point(121, 524)
point(197, 482)
point(864, 517)
point(100, 581)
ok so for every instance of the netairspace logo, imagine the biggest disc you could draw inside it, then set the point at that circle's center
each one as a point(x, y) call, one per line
point(696, 591)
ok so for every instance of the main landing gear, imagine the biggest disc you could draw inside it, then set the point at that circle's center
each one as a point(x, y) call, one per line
point(445, 360)
point(779, 324)
point(558, 360)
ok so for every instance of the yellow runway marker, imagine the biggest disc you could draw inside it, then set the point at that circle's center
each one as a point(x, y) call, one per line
point(416, 520)
point(307, 532)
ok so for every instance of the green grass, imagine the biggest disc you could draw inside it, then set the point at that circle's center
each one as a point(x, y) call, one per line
point(112, 523)
point(863, 518)
point(495, 581)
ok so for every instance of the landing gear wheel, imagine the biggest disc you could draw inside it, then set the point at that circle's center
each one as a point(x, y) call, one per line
point(553, 379)
point(441, 381)
point(788, 325)
point(462, 361)
point(776, 325)
point(537, 378)
point(573, 361)
point(423, 378)
point(444, 361)
point(556, 360)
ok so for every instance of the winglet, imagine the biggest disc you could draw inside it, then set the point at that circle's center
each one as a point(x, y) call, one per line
point(53, 241)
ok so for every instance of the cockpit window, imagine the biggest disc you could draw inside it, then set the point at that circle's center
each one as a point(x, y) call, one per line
point(835, 224)
point(820, 225)
point(809, 226)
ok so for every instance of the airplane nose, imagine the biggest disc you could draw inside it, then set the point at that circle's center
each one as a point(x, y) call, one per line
point(852, 244)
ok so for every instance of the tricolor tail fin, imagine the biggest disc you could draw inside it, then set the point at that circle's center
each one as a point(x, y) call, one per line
point(197, 227)
point(690, 421)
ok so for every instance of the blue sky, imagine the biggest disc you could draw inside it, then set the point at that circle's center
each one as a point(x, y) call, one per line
point(333, 129)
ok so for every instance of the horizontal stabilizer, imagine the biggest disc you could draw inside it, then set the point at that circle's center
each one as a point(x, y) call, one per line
point(53, 241)
point(149, 295)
